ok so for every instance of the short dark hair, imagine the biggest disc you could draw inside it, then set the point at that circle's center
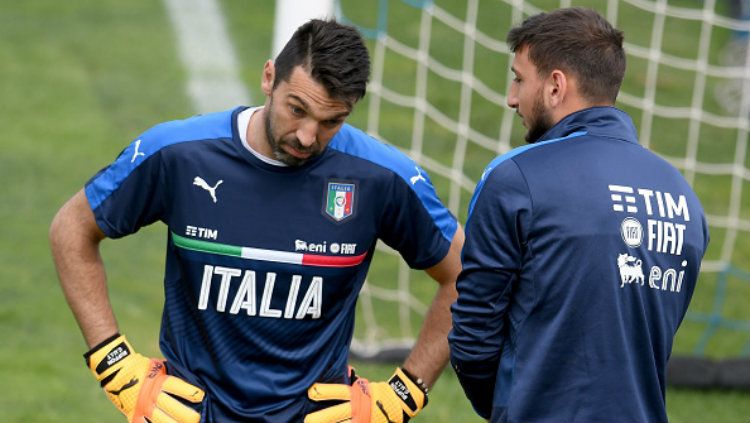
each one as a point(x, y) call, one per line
point(576, 40)
point(333, 53)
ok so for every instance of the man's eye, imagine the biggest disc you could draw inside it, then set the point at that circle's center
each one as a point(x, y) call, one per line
point(296, 110)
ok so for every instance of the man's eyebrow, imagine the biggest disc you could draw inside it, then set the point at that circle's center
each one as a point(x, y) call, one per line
point(341, 115)
point(299, 99)
point(304, 104)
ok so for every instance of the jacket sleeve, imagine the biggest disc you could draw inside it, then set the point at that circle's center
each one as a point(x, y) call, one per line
point(492, 259)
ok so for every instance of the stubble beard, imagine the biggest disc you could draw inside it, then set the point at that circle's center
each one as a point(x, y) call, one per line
point(540, 121)
point(279, 153)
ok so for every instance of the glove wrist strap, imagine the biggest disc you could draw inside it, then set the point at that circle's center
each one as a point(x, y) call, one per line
point(416, 380)
point(99, 346)
point(412, 396)
point(105, 359)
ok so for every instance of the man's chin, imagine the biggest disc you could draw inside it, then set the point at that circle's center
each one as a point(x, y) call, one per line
point(291, 160)
point(531, 138)
point(536, 133)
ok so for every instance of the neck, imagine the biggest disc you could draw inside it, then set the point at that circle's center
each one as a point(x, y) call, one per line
point(572, 105)
point(256, 133)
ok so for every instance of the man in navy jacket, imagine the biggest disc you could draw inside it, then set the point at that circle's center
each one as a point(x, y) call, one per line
point(582, 248)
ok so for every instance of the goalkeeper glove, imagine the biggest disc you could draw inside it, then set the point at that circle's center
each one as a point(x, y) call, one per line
point(140, 387)
point(395, 401)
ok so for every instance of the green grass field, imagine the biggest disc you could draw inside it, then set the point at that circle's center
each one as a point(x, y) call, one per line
point(79, 81)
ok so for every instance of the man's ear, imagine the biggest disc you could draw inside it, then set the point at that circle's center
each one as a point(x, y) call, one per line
point(557, 88)
point(269, 72)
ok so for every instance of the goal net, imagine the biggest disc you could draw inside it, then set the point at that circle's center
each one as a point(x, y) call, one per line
point(440, 74)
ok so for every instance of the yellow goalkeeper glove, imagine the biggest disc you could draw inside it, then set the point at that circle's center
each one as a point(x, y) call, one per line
point(140, 387)
point(395, 401)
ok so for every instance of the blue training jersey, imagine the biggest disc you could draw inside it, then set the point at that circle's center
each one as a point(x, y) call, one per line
point(582, 253)
point(264, 263)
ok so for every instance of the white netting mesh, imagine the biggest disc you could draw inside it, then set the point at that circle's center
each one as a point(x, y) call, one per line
point(440, 73)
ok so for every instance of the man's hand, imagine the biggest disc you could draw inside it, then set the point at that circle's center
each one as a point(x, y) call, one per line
point(395, 401)
point(139, 386)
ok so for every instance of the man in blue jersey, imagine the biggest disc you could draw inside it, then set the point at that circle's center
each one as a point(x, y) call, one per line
point(273, 214)
point(582, 248)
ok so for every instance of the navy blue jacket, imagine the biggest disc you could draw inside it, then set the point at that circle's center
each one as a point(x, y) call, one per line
point(582, 253)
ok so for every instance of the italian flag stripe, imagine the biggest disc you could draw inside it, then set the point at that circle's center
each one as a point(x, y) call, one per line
point(332, 261)
point(331, 202)
point(206, 247)
point(262, 254)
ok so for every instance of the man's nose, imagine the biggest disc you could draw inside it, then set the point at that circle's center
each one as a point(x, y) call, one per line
point(307, 132)
point(512, 100)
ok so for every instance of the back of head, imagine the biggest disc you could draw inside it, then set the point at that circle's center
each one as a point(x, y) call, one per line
point(578, 41)
point(334, 54)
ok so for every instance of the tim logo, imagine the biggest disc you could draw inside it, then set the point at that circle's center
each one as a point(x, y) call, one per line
point(630, 269)
point(623, 198)
point(198, 232)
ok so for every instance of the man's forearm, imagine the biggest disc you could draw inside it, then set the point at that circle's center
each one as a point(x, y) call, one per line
point(430, 353)
point(74, 240)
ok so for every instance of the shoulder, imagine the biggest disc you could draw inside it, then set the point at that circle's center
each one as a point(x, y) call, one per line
point(200, 127)
point(508, 162)
point(405, 178)
point(146, 152)
point(354, 142)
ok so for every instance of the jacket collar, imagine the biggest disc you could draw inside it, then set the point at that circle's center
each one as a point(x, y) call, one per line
point(605, 121)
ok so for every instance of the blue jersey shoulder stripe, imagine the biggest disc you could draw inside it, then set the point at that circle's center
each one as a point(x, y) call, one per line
point(355, 142)
point(196, 128)
point(509, 155)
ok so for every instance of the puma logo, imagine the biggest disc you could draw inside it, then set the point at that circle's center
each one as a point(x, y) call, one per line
point(117, 392)
point(137, 153)
point(381, 407)
point(203, 184)
point(418, 177)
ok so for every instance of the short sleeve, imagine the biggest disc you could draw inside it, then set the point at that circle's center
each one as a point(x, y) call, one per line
point(129, 193)
point(416, 223)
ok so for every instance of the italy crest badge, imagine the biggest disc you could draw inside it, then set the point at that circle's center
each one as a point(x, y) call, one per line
point(340, 200)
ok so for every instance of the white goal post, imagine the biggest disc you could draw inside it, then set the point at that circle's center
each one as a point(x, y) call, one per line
point(290, 14)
